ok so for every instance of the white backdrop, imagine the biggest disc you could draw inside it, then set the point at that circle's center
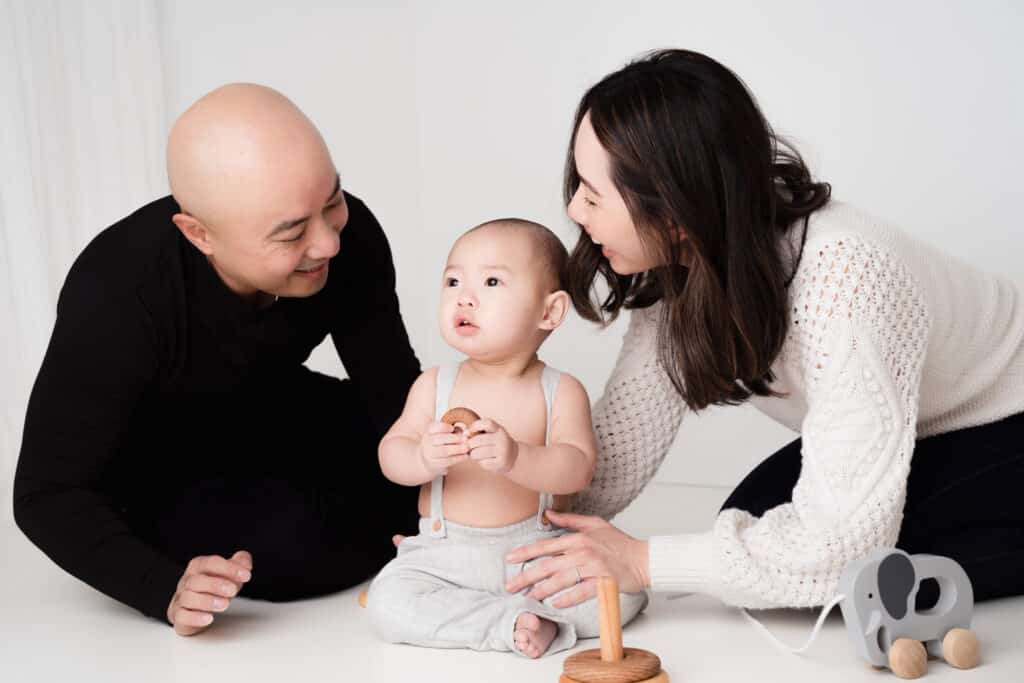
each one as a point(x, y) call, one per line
point(81, 122)
point(442, 114)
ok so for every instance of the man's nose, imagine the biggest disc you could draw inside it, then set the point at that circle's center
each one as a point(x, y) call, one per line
point(325, 241)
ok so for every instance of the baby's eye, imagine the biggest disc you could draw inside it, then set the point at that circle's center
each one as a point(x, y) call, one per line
point(451, 282)
point(492, 282)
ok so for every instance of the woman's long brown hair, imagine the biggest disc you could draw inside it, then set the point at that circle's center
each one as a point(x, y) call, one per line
point(689, 148)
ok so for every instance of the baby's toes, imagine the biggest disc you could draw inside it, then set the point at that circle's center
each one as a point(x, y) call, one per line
point(528, 621)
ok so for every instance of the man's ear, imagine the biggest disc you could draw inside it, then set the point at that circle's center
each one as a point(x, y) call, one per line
point(556, 306)
point(194, 231)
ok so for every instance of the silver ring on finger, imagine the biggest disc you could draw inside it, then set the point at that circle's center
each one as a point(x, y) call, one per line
point(579, 574)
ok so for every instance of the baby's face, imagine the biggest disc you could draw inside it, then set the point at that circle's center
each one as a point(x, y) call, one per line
point(492, 295)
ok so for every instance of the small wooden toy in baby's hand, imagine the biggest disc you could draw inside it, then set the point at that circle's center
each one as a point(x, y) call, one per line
point(460, 418)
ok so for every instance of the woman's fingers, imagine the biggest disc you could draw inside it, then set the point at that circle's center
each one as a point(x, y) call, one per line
point(581, 593)
point(569, 520)
point(562, 576)
point(549, 546)
point(542, 571)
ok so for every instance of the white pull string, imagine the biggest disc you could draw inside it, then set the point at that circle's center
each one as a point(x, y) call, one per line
point(814, 634)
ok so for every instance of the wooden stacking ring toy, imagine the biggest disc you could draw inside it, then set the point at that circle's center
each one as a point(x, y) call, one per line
point(612, 663)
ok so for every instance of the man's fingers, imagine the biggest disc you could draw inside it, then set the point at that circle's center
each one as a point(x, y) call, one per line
point(203, 602)
point(188, 622)
point(219, 566)
point(214, 585)
point(244, 558)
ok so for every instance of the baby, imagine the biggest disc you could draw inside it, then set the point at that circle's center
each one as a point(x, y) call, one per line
point(484, 490)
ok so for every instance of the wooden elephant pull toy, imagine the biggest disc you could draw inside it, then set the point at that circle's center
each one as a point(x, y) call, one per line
point(612, 663)
point(879, 608)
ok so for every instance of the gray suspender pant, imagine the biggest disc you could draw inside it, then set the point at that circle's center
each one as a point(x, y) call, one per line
point(446, 586)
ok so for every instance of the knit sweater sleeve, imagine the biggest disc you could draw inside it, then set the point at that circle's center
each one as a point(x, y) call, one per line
point(635, 421)
point(857, 337)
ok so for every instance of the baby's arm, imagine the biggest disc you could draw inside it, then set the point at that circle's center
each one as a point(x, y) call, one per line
point(416, 448)
point(566, 464)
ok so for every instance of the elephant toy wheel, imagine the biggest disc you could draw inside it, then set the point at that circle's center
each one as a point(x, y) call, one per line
point(960, 648)
point(907, 658)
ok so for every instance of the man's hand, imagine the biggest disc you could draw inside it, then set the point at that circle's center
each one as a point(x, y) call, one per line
point(492, 447)
point(441, 448)
point(206, 587)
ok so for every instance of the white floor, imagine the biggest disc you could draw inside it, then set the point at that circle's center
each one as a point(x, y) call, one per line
point(53, 628)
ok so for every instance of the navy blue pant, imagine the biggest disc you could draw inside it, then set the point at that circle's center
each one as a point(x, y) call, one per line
point(965, 500)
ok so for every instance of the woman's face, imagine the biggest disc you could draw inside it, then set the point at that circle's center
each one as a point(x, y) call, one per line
point(599, 209)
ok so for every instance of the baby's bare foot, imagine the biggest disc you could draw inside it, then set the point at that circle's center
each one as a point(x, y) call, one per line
point(533, 635)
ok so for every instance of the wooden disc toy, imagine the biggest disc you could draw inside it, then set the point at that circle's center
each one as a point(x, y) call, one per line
point(460, 418)
point(612, 663)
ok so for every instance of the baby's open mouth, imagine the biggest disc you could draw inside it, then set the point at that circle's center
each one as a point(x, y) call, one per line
point(464, 325)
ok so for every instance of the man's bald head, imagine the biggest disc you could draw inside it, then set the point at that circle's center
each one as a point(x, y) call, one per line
point(232, 145)
point(259, 193)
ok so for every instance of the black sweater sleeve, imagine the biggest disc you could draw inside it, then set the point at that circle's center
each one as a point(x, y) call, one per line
point(368, 331)
point(100, 362)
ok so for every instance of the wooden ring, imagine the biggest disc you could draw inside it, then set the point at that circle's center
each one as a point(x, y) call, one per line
point(635, 665)
point(460, 415)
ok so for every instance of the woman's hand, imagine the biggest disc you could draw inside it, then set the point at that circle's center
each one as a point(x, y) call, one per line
point(599, 549)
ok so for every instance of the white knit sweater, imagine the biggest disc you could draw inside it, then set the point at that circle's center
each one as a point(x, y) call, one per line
point(889, 340)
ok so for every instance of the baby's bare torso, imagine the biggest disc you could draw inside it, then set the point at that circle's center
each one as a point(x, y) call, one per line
point(472, 495)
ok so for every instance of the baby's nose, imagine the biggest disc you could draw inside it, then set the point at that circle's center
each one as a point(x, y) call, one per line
point(467, 300)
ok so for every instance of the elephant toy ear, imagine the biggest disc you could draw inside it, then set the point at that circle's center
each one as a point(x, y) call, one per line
point(896, 578)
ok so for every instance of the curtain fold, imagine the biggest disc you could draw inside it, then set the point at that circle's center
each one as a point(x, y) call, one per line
point(82, 130)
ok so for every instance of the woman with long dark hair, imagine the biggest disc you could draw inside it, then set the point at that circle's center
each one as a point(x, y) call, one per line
point(901, 368)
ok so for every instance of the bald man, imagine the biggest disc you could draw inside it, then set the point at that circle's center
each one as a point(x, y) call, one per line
point(176, 451)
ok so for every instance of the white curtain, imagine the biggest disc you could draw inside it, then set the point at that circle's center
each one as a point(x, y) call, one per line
point(82, 127)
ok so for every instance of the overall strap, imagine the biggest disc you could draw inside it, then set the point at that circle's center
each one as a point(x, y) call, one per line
point(446, 375)
point(549, 381)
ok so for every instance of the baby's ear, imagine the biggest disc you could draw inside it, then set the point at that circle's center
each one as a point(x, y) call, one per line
point(556, 305)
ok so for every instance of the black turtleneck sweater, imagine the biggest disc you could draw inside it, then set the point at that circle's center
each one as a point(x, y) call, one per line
point(148, 346)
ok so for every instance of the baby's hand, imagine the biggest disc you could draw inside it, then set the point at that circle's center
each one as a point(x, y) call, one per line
point(441, 447)
point(492, 447)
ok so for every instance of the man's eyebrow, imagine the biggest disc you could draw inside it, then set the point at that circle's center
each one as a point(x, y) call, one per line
point(589, 185)
point(284, 226)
